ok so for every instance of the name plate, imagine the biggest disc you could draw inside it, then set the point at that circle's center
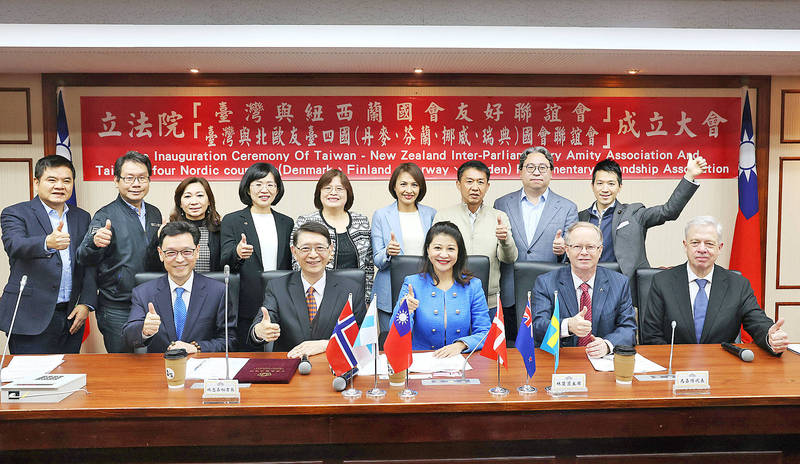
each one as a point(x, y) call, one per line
point(691, 380)
point(220, 391)
point(568, 383)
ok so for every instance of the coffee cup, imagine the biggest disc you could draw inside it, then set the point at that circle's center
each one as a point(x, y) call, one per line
point(175, 363)
point(624, 360)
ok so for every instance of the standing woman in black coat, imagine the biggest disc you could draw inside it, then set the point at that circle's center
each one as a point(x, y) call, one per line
point(256, 239)
point(194, 202)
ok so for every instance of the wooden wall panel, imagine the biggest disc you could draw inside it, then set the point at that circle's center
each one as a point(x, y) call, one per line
point(15, 119)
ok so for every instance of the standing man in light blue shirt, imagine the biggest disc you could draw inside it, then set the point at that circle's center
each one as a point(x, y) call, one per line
point(538, 218)
point(41, 237)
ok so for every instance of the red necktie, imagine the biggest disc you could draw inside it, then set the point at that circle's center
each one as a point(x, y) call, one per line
point(586, 302)
point(311, 303)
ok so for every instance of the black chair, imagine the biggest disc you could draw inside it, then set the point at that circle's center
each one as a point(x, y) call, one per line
point(525, 274)
point(404, 265)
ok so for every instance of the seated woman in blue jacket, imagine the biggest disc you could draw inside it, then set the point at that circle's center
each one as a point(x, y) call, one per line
point(448, 307)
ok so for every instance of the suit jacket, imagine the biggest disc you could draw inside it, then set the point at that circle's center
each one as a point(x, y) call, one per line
point(385, 221)
point(25, 228)
point(731, 304)
point(251, 290)
point(612, 312)
point(285, 300)
point(558, 213)
point(631, 221)
point(205, 316)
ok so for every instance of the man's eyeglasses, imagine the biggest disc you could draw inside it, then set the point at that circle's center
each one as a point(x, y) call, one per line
point(588, 248)
point(129, 180)
point(321, 250)
point(172, 254)
point(541, 168)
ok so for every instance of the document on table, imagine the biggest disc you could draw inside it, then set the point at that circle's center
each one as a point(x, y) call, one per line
point(641, 364)
point(21, 367)
point(423, 363)
point(794, 348)
point(212, 368)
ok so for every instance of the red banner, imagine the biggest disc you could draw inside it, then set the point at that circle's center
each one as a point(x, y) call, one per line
point(303, 136)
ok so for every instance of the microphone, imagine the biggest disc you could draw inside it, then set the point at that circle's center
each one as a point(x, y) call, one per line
point(227, 271)
point(464, 366)
point(742, 353)
point(340, 381)
point(304, 368)
point(22, 282)
point(671, 347)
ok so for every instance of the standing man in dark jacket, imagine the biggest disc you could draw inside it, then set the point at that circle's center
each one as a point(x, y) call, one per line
point(40, 237)
point(121, 242)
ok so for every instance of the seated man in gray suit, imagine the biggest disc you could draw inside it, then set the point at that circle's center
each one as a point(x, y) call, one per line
point(624, 225)
point(594, 302)
point(301, 309)
point(181, 309)
point(538, 218)
point(708, 303)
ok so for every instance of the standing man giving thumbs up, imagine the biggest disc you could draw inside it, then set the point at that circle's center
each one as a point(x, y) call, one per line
point(121, 243)
point(40, 237)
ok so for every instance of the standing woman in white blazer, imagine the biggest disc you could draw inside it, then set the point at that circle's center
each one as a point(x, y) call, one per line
point(399, 229)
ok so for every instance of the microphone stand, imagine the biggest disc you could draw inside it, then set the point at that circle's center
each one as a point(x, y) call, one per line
point(223, 390)
point(22, 282)
point(669, 375)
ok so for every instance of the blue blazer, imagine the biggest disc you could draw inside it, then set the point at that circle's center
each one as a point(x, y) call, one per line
point(612, 312)
point(464, 307)
point(385, 221)
point(205, 317)
point(25, 227)
point(558, 213)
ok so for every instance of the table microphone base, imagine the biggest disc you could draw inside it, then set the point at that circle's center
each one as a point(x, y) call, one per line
point(458, 381)
point(654, 377)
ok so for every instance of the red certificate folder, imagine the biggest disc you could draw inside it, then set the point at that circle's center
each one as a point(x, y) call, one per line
point(268, 371)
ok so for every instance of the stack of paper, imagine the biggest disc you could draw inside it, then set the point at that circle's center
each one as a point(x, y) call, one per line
point(212, 368)
point(423, 363)
point(641, 364)
point(22, 367)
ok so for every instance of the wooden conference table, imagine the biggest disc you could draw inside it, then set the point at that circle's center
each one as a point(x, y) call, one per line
point(752, 415)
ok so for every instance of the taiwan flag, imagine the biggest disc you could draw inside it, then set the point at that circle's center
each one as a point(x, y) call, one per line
point(398, 343)
point(746, 247)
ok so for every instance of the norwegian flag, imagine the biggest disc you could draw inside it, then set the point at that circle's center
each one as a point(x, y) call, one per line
point(495, 345)
point(340, 346)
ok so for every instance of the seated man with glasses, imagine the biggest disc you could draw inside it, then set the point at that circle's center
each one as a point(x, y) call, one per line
point(120, 243)
point(300, 310)
point(708, 302)
point(538, 218)
point(182, 309)
point(594, 303)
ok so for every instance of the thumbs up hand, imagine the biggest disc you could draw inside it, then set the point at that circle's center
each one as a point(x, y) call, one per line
point(152, 321)
point(102, 238)
point(266, 330)
point(777, 338)
point(412, 302)
point(695, 166)
point(501, 231)
point(559, 245)
point(57, 240)
point(243, 249)
point(393, 247)
point(578, 325)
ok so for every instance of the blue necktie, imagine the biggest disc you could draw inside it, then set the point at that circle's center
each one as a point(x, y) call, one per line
point(700, 306)
point(179, 309)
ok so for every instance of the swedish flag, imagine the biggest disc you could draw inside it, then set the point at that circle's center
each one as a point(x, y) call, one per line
point(552, 338)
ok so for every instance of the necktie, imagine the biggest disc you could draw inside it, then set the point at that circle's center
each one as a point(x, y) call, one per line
point(700, 306)
point(311, 303)
point(586, 302)
point(179, 309)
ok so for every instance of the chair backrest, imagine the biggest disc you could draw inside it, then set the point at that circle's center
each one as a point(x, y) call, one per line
point(357, 276)
point(644, 280)
point(404, 265)
point(525, 274)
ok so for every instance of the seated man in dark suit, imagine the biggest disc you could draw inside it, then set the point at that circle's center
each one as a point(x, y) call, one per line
point(708, 303)
point(181, 309)
point(594, 302)
point(40, 237)
point(301, 309)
